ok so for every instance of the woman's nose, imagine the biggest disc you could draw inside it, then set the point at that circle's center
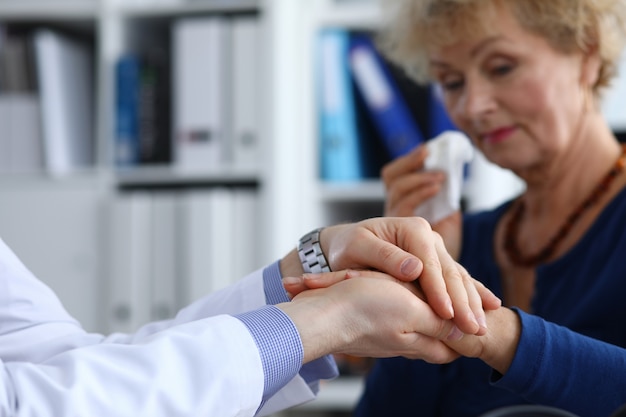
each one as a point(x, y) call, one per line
point(476, 101)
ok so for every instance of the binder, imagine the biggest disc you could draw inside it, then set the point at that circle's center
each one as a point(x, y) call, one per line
point(65, 78)
point(25, 133)
point(340, 158)
point(201, 82)
point(388, 109)
point(439, 120)
point(142, 110)
point(129, 284)
point(206, 245)
point(164, 256)
point(154, 114)
point(246, 85)
point(21, 148)
point(126, 149)
point(15, 63)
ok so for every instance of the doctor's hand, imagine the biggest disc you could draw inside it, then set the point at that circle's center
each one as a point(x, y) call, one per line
point(408, 185)
point(373, 315)
point(407, 249)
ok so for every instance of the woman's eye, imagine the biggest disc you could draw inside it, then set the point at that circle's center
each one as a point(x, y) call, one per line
point(452, 85)
point(500, 70)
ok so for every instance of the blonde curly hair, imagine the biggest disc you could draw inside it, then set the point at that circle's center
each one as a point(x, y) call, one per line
point(411, 27)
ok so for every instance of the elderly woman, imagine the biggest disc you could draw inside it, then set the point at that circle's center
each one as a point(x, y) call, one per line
point(522, 78)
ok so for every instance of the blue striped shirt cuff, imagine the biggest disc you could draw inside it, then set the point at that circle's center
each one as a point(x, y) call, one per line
point(274, 333)
point(279, 345)
point(322, 368)
point(273, 285)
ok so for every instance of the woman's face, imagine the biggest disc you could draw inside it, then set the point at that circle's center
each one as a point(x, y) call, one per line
point(517, 97)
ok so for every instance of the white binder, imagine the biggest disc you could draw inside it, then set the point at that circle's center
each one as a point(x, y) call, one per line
point(207, 218)
point(247, 46)
point(65, 77)
point(201, 84)
point(166, 280)
point(129, 284)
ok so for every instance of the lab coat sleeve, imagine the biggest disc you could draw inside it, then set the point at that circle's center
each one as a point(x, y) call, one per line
point(34, 328)
point(209, 367)
point(244, 295)
point(34, 325)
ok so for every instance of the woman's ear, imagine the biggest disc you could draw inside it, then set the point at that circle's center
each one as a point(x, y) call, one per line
point(591, 64)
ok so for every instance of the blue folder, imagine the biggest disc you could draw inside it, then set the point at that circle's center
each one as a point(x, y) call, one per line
point(389, 110)
point(126, 149)
point(340, 154)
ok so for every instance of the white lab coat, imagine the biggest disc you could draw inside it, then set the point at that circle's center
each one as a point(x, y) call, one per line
point(202, 363)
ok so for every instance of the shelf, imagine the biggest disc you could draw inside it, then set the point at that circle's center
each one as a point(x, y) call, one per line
point(167, 176)
point(87, 177)
point(364, 191)
point(363, 15)
point(47, 10)
point(189, 7)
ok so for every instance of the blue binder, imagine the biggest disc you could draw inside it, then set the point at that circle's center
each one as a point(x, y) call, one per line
point(387, 107)
point(439, 121)
point(126, 111)
point(340, 158)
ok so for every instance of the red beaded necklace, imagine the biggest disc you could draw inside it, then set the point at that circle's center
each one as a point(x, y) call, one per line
point(510, 243)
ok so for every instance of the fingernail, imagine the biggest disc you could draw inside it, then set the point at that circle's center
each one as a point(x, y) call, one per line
point(351, 273)
point(450, 308)
point(409, 267)
point(473, 318)
point(310, 276)
point(455, 334)
point(482, 322)
point(292, 280)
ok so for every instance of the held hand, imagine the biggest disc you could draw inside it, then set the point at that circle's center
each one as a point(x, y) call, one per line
point(407, 184)
point(406, 248)
point(324, 280)
point(496, 348)
point(370, 315)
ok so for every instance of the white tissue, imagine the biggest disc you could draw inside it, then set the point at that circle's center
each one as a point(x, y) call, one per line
point(448, 152)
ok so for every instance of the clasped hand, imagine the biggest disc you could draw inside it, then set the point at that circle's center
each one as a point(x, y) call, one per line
point(396, 291)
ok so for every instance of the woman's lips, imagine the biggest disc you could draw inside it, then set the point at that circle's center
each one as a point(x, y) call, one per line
point(498, 135)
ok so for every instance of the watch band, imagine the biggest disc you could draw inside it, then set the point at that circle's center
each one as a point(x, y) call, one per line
point(311, 254)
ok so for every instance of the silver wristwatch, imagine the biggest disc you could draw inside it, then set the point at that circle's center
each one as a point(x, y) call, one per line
point(310, 252)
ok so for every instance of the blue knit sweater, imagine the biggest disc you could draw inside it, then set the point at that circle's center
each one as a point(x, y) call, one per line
point(584, 291)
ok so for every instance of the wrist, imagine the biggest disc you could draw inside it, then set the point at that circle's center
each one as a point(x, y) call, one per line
point(498, 346)
point(316, 322)
point(290, 265)
point(500, 342)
